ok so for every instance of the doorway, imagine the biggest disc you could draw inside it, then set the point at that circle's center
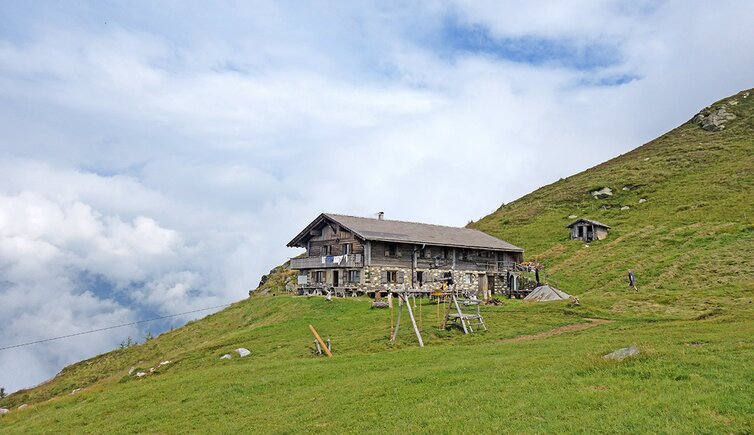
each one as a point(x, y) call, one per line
point(419, 278)
point(491, 284)
point(335, 278)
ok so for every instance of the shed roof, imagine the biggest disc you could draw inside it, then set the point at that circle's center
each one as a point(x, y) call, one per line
point(411, 232)
point(589, 221)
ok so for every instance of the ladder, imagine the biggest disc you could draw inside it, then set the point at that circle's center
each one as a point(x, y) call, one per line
point(454, 313)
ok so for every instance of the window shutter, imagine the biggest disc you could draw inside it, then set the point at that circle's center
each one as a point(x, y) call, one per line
point(357, 276)
point(400, 277)
point(383, 277)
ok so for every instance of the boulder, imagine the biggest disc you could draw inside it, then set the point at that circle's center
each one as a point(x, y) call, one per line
point(713, 119)
point(226, 356)
point(621, 354)
point(603, 193)
point(243, 352)
point(3, 411)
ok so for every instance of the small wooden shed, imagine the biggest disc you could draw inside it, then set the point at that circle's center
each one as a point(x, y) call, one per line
point(588, 230)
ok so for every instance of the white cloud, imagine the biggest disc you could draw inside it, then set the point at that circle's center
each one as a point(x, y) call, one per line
point(153, 168)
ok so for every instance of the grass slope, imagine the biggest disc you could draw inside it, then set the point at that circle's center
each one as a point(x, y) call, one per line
point(690, 244)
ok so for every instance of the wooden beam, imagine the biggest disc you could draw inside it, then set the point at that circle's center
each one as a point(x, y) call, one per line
point(321, 343)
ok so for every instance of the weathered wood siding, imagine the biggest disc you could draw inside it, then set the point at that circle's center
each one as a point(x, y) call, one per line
point(335, 238)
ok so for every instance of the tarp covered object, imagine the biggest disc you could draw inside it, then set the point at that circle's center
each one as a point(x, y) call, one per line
point(546, 293)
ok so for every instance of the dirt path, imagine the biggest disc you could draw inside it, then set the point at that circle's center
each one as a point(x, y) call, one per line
point(557, 331)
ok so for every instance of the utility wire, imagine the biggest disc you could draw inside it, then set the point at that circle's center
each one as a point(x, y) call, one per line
point(110, 327)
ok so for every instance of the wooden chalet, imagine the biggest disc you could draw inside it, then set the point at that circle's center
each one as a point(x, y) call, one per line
point(351, 255)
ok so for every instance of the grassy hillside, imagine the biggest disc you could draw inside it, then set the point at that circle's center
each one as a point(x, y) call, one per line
point(538, 369)
point(691, 239)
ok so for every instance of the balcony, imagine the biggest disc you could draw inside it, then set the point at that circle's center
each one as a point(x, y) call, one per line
point(350, 260)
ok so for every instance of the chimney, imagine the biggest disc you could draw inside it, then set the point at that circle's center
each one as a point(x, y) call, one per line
point(381, 215)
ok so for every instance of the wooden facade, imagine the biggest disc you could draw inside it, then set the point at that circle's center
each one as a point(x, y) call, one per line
point(351, 256)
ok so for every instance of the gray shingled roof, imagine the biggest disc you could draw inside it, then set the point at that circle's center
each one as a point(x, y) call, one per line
point(600, 224)
point(414, 232)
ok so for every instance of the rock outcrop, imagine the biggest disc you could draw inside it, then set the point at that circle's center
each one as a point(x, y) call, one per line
point(713, 119)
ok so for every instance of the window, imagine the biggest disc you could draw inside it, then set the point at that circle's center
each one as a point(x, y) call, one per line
point(445, 253)
point(391, 250)
point(468, 279)
point(420, 277)
point(427, 252)
point(353, 276)
point(347, 249)
point(465, 255)
point(319, 276)
point(392, 276)
point(324, 250)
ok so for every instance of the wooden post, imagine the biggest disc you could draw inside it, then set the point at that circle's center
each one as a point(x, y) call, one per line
point(397, 323)
point(413, 322)
point(460, 314)
point(321, 343)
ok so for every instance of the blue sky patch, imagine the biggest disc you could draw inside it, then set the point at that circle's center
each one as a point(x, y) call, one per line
point(458, 39)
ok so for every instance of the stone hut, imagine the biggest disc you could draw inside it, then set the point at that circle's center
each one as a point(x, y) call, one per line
point(587, 230)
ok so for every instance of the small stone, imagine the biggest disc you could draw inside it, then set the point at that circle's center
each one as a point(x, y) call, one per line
point(243, 351)
point(131, 371)
point(164, 363)
point(573, 216)
point(3, 411)
point(621, 354)
point(22, 406)
point(226, 356)
point(642, 201)
point(151, 370)
point(646, 159)
point(140, 374)
point(603, 193)
point(625, 207)
point(626, 188)
point(75, 390)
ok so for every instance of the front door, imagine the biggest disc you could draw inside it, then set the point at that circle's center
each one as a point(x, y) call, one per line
point(335, 278)
point(491, 284)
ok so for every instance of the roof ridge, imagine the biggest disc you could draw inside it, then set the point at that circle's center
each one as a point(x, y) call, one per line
point(405, 222)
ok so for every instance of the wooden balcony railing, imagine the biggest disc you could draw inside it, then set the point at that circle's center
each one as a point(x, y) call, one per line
point(350, 260)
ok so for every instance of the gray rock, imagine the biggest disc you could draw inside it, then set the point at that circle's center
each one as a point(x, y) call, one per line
point(642, 200)
point(626, 188)
point(75, 390)
point(603, 193)
point(713, 119)
point(621, 354)
point(3, 411)
point(164, 363)
point(22, 406)
point(140, 374)
point(573, 216)
point(226, 356)
point(625, 207)
point(243, 351)
point(290, 286)
point(131, 371)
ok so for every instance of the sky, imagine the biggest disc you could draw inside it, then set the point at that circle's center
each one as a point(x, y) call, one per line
point(156, 157)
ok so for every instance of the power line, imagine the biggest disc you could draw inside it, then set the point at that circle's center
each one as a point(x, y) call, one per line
point(111, 327)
